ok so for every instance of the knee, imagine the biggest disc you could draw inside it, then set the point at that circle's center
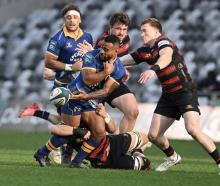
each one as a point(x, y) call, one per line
point(132, 113)
point(152, 137)
point(192, 131)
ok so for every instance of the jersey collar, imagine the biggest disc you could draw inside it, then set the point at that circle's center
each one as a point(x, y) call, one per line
point(67, 33)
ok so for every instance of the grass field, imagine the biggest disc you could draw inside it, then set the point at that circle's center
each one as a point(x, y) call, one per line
point(17, 167)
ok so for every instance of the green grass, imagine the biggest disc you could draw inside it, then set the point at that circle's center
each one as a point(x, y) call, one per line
point(17, 167)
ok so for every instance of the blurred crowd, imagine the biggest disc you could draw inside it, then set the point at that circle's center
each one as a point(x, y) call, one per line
point(192, 24)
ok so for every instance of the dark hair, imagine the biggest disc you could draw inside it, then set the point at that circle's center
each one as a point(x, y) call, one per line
point(69, 7)
point(154, 23)
point(112, 39)
point(120, 17)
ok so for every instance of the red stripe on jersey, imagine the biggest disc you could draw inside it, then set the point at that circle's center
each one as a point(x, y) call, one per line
point(101, 149)
point(171, 80)
point(123, 48)
point(166, 71)
point(179, 87)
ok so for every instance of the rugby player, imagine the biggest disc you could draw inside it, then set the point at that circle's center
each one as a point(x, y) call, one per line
point(121, 98)
point(179, 97)
point(112, 151)
point(62, 58)
point(102, 72)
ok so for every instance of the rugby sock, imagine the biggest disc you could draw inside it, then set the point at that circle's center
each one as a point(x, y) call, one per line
point(66, 149)
point(86, 148)
point(215, 155)
point(42, 114)
point(169, 151)
point(53, 143)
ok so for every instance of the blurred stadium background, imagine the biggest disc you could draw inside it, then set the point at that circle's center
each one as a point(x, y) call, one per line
point(27, 25)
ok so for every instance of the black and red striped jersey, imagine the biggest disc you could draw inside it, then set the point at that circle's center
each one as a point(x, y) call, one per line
point(175, 76)
point(100, 154)
point(124, 44)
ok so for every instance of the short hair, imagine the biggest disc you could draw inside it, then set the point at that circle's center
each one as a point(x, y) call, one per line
point(119, 17)
point(69, 7)
point(112, 39)
point(154, 23)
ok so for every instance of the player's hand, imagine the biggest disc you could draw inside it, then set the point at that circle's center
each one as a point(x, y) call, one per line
point(100, 110)
point(81, 96)
point(77, 66)
point(145, 76)
point(84, 47)
point(108, 67)
point(127, 75)
point(49, 74)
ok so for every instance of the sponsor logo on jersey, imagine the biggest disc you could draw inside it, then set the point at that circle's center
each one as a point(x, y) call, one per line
point(88, 59)
point(53, 45)
point(68, 45)
point(76, 56)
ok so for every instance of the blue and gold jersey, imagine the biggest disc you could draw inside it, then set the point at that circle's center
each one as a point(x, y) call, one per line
point(91, 61)
point(63, 46)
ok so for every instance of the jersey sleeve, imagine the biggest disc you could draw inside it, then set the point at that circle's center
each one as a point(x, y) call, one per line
point(165, 42)
point(54, 46)
point(118, 73)
point(89, 62)
point(90, 40)
point(140, 55)
point(124, 47)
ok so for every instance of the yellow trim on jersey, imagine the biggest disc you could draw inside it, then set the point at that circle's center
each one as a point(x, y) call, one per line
point(114, 80)
point(88, 68)
point(50, 53)
point(88, 146)
point(67, 33)
point(85, 149)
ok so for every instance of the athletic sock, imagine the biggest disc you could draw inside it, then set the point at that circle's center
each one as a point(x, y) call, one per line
point(42, 114)
point(86, 148)
point(215, 155)
point(169, 151)
point(53, 143)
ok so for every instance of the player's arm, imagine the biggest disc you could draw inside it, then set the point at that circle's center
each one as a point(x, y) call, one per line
point(110, 85)
point(51, 61)
point(165, 57)
point(163, 61)
point(128, 60)
point(90, 76)
point(109, 122)
point(49, 74)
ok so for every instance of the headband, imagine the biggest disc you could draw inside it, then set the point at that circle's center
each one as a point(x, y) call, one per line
point(73, 12)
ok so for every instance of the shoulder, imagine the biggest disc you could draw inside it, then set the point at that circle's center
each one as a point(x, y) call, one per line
point(87, 34)
point(90, 56)
point(101, 39)
point(58, 36)
point(163, 42)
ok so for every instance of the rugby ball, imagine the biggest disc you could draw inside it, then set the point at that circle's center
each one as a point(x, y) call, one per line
point(60, 96)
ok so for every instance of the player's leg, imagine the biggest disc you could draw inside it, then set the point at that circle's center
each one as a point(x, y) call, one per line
point(125, 101)
point(127, 104)
point(56, 141)
point(97, 127)
point(158, 127)
point(35, 110)
point(192, 125)
point(134, 162)
point(119, 146)
point(138, 140)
